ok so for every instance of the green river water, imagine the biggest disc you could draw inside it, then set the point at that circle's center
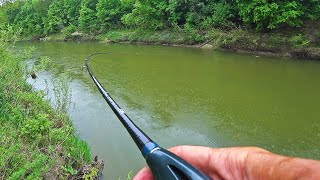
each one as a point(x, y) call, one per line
point(188, 96)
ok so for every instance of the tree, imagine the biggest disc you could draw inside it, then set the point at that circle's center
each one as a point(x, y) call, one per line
point(30, 17)
point(56, 18)
point(312, 9)
point(151, 14)
point(110, 12)
point(88, 18)
point(72, 9)
point(271, 14)
point(39, 17)
point(186, 12)
point(9, 11)
point(219, 14)
point(201, 14)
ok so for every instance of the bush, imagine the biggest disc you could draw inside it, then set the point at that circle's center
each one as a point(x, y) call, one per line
point(54, 21)
point(147, 15)
point(36, 128)
point(88, 18)
point(222, 16)
point(265, 14)
point(299, 41)
point(66, 32)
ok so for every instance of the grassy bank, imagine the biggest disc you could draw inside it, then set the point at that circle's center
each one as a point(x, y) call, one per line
point(36, 141)
point(303, 43)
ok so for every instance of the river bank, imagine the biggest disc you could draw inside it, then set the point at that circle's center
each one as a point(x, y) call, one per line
point(302, 43)
point(37, 141)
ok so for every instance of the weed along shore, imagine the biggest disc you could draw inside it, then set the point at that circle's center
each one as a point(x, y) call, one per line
point(300, 43)
point(37, 141)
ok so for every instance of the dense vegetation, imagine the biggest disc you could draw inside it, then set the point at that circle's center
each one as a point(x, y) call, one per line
point(289, 27)
point(43, 17)
point(36, 140)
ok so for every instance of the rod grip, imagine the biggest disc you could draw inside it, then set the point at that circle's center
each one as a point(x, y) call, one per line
point(168, 166)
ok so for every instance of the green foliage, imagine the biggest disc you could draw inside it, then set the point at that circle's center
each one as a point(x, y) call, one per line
point(44, 63)
point(149, 14)
point(299, 41)
point(265, 14)
point(42, 17)
point(193, 36)
point(56, 17)
point(62, 93)
point(87, 18)
point(223, 14)
point(36, 128)
point(181, 10)
point(154, 37)
point(129, 176)
point(110, 12)
point(9, 11)
point(92, 175)
point(69, 169)
point(30, 17)
point(200, 13)
point(66, 32)
point(34, 137)
point(311, 9)
point(72, 10)
point(9, 33)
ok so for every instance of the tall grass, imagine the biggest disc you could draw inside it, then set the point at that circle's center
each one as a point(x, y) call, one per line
point(36, 140)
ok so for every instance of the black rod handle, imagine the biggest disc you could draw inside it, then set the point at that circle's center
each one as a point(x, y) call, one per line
point(166, 165)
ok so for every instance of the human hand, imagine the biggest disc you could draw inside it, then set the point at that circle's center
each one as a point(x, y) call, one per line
point(241, 163)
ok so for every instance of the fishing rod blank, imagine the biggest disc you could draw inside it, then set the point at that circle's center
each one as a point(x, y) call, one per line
point(163, 163)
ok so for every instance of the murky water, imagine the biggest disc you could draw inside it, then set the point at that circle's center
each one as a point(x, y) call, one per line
point(189, 96)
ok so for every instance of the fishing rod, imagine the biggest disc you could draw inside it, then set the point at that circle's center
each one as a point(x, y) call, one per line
point(163, 163)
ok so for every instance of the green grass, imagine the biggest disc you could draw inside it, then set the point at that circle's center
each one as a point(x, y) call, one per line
point(298, 43)
point(36, 141)
point(152, 37)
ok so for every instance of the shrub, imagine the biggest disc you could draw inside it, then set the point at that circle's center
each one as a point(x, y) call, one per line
point(265, 14)
point(299, 41)
point(222, 15)
point(36, 128)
